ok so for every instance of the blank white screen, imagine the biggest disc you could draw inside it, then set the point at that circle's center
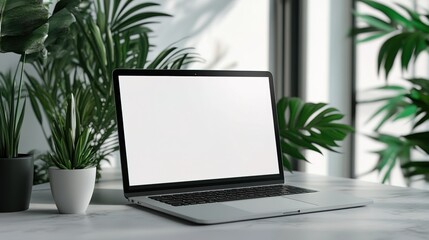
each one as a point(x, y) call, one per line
point(197, 128)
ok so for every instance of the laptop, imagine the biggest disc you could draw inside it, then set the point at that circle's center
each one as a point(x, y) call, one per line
point(204, 146)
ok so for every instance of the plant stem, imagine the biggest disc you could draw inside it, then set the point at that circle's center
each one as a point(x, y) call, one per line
point(17, 129)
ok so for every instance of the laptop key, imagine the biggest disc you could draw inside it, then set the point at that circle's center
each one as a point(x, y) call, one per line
point(184, 199)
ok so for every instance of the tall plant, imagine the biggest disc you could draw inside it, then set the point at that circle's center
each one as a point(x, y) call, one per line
point(106, 35)
point(21, 35)
point(405, 38)
point(25, 26)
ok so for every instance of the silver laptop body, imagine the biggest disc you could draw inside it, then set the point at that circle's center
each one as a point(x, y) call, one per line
point(188, 131)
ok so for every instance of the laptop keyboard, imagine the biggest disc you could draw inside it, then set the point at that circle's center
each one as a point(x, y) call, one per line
point(183, 199)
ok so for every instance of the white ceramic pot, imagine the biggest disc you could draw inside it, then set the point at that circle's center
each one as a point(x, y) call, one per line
point(72, 189)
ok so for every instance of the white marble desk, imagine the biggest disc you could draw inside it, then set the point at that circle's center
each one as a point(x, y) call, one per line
point(397, 213)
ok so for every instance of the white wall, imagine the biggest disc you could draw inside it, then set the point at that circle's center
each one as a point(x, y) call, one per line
point(228, 34)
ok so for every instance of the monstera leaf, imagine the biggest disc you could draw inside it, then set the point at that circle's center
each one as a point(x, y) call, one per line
point(308, 126)
point(59, 24)
point(27, 27)
point(23, 26)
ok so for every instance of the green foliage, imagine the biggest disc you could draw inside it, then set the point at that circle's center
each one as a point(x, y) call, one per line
point(71, 139)
point(410, 104)
point(406, 103)
point(417, 168)
point(419, 97)
point(12, 108)
point(395, 107)
point(396, 149)
point(23, 26)
point(24, 30)
point(308, 126)
point(407, 35)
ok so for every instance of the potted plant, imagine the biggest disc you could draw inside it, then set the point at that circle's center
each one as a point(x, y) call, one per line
point(22, 35)
point(16, 170)
point(73, 177)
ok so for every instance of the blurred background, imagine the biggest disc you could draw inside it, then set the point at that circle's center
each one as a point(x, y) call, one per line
point(307, 46)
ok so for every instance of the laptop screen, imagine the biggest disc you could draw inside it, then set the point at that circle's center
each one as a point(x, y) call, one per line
point(195, 128)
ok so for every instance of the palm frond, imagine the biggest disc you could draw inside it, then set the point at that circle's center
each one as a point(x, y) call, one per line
point(406, 35)
point(308, 126)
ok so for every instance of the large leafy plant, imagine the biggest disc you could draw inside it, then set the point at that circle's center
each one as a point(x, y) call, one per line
point(405, 38)
point(308, 126)
point(25, 26)
point(106, 35)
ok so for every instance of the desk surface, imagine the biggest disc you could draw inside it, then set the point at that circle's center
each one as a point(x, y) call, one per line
point(397, 213)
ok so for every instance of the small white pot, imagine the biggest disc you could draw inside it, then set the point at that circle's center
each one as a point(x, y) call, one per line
point(72, 189)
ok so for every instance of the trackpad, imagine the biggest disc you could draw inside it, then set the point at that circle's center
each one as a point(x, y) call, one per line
point(268, 205)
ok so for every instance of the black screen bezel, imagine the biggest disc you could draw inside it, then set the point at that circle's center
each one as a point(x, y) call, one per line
point(202, 184)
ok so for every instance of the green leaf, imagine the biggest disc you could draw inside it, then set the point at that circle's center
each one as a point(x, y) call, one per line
point(419, 139)
point(375, 22)
point(22, 26)
point(357, 31)
point(66, 4)
point(415, 19)
point(36, 108)
point(298, 140)
point(393, 15)
point(393, 108)
point(420, 164)
point(408, 111)
point(408, 50)
point(304, 125)
point(286, 162)
point(394, 44)
point(295, 106)
point(391, 87)
point(291, 150)
point(59, 27)
point(371, 37)
point(11, 113)
point(129, 20)
point(421, 82)
point(396, 149)
point(161, 57)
